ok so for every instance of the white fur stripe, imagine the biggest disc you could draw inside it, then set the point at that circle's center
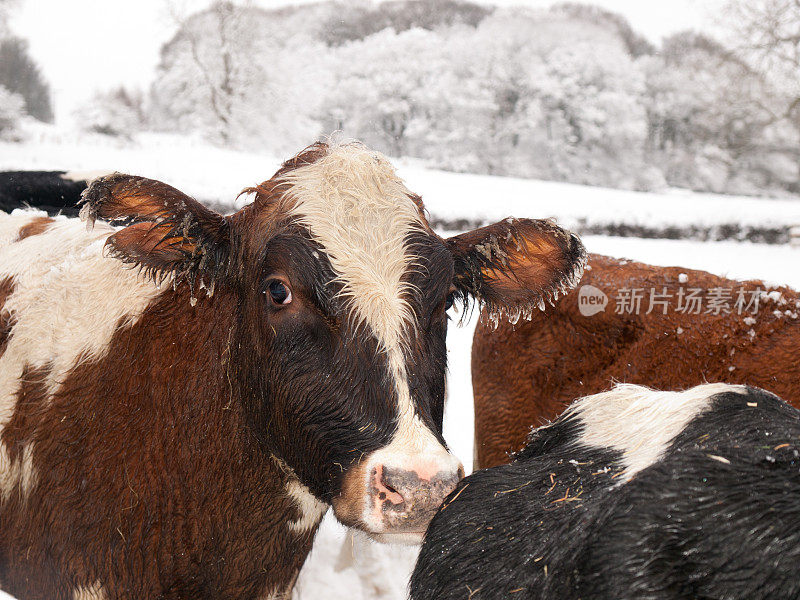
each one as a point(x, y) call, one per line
point(67, 303)
point(362, 215)
point(639, 422)
point(311, 509)
point(360, 212)
point(19, 472)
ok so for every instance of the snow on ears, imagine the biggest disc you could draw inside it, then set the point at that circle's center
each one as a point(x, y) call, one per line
point(516, 265)
point(167, 233)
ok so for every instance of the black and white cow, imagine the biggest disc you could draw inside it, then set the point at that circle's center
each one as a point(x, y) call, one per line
point(55, 192)
point(631, 494)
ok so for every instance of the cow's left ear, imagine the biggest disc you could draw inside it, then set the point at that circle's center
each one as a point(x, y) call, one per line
point(166, 233)
point(516, 265)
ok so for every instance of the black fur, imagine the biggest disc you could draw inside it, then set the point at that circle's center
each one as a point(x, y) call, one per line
point(322, 396)
point(718, 517)
point(45, 190)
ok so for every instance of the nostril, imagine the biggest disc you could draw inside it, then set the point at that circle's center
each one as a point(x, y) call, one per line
point(382, 489)
point(461, 473)
point(389, 490)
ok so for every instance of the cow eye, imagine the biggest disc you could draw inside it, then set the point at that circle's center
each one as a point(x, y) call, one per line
point(448, 303)
point(279, 292)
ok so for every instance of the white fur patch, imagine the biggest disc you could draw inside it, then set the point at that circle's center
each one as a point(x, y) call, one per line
point(311, 509)
point(19, 472)
point(92, 592)
point(413, 447)
point(639, 422)
point(68, 301)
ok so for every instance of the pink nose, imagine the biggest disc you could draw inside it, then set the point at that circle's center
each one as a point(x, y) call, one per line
point(405, 500)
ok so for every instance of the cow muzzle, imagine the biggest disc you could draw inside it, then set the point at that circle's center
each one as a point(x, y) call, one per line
point(393, 496)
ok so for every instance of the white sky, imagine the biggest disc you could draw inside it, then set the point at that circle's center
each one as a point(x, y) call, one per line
point(84, 45)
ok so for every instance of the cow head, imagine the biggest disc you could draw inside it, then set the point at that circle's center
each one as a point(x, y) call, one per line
point(338, 354)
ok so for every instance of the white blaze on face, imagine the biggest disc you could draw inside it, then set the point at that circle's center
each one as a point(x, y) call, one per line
point(67, 302)
point(639, 422)
point(357, 208)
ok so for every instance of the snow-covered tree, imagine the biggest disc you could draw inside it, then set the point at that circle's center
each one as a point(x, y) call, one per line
point(6, 6)
point(636, 44)
point(708, 118)
point(388, 88)
point(20, 74)
point(511, 97)
point(358, 20)
point(226, 75)
point(119, 112)
point(12, 109)
point(766, 35)
point(561, 108)
point(570, 93)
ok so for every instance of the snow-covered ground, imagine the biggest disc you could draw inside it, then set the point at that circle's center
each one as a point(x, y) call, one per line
point(483, 197)
point(204, 171)
point(210, 173)
point(346, 565)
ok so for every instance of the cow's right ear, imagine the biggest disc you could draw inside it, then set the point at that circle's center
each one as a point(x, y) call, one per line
point(514, 266)
point(167, 233)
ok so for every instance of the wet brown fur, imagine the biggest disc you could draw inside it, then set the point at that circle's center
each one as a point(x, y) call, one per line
point(163, 485)
point(525, 375)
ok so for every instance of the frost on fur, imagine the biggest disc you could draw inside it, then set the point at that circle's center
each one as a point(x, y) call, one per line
point(515, 266)
point(165, 232)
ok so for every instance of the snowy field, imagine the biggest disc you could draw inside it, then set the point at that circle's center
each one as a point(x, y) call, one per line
point(346, 565)
point(214, 174)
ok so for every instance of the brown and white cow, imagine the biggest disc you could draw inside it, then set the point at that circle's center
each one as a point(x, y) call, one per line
point(525, 375)
point(184, 394)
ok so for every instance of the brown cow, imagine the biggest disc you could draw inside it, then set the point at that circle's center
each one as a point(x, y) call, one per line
point(185, 394)
point(525, 375)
